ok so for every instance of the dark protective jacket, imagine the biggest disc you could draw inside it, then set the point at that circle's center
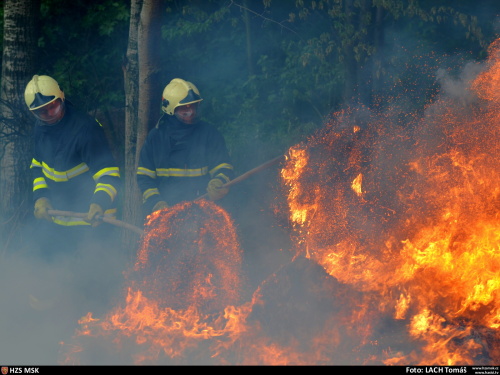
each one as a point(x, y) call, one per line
point(178, 160)
point(73, 166)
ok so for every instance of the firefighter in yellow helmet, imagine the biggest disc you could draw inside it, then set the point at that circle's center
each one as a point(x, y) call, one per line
point(73, 168)
point(183, 157)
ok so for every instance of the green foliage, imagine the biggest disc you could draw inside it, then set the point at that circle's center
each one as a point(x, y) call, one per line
point(83, 45)
point(270, 71)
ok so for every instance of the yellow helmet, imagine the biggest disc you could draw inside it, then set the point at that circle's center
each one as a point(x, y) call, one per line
point(40, 91)
point(177, 93)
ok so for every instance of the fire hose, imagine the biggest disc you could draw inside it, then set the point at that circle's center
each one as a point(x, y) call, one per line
point(138, 230)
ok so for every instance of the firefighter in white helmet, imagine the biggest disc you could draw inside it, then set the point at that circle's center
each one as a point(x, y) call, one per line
point(183, 157)
point(73, 168)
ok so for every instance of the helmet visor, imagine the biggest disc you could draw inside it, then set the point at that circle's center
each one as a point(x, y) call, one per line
point(51, 112)
point(40, 100)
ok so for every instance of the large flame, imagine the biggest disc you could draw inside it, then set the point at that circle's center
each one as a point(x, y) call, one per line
point(411, 213)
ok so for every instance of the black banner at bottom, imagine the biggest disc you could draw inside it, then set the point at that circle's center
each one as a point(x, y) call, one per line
point(411, 370)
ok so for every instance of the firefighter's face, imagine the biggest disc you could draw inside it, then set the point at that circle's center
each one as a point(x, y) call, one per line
point(188, 113)
point(50, 113)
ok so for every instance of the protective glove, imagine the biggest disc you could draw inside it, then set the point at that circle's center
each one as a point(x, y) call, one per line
point(95, 213)
point(160, 206)
point(42, 206)
point(215, 189)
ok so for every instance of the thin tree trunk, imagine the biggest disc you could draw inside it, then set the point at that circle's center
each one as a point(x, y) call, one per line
point(150, 87)
point(143, 93)
point(131, 199)
point(18, 65)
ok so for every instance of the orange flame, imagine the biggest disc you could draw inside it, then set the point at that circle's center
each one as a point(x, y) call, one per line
point(411, 215)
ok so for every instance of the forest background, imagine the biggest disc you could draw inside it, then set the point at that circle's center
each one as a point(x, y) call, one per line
point(271, 72)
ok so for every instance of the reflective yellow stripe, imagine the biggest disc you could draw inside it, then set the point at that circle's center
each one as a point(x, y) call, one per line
point(111, 171)
point(177, 172)
point(69, 221)
point(35, 164)
point(222, 176)
point(65, 175)
point(109, 189)
point(146, 172)
point(220, 166)
point(149, 193)
point(39, 183)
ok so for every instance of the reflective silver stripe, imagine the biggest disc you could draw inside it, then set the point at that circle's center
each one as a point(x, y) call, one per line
point(146, 172)
point(39, 183)
point(109, 189)
point(66, 175)
point(35, 164)
point(177, 172)
point(78, 170)
point(149, 193)
point(111, 171)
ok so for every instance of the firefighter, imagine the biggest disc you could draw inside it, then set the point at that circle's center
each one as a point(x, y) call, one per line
point(73, 168)
point(183, 156)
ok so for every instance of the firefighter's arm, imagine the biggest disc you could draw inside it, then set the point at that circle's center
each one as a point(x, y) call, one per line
point(147, 179)
point(221, 169)
point(41, 192)
point(105, 172)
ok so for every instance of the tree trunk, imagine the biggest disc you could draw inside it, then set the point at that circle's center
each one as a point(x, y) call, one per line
point(18, 65)
point(131, 199)
point(150, 86)
point(143, 99)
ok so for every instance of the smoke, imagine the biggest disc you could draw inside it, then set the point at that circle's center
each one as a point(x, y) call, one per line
point(43, 299)
point(458, 88)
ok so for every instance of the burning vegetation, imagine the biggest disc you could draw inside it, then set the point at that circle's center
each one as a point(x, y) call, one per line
point(396, 234)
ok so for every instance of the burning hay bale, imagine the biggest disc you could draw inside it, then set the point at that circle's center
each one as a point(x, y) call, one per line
point(190, 257)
